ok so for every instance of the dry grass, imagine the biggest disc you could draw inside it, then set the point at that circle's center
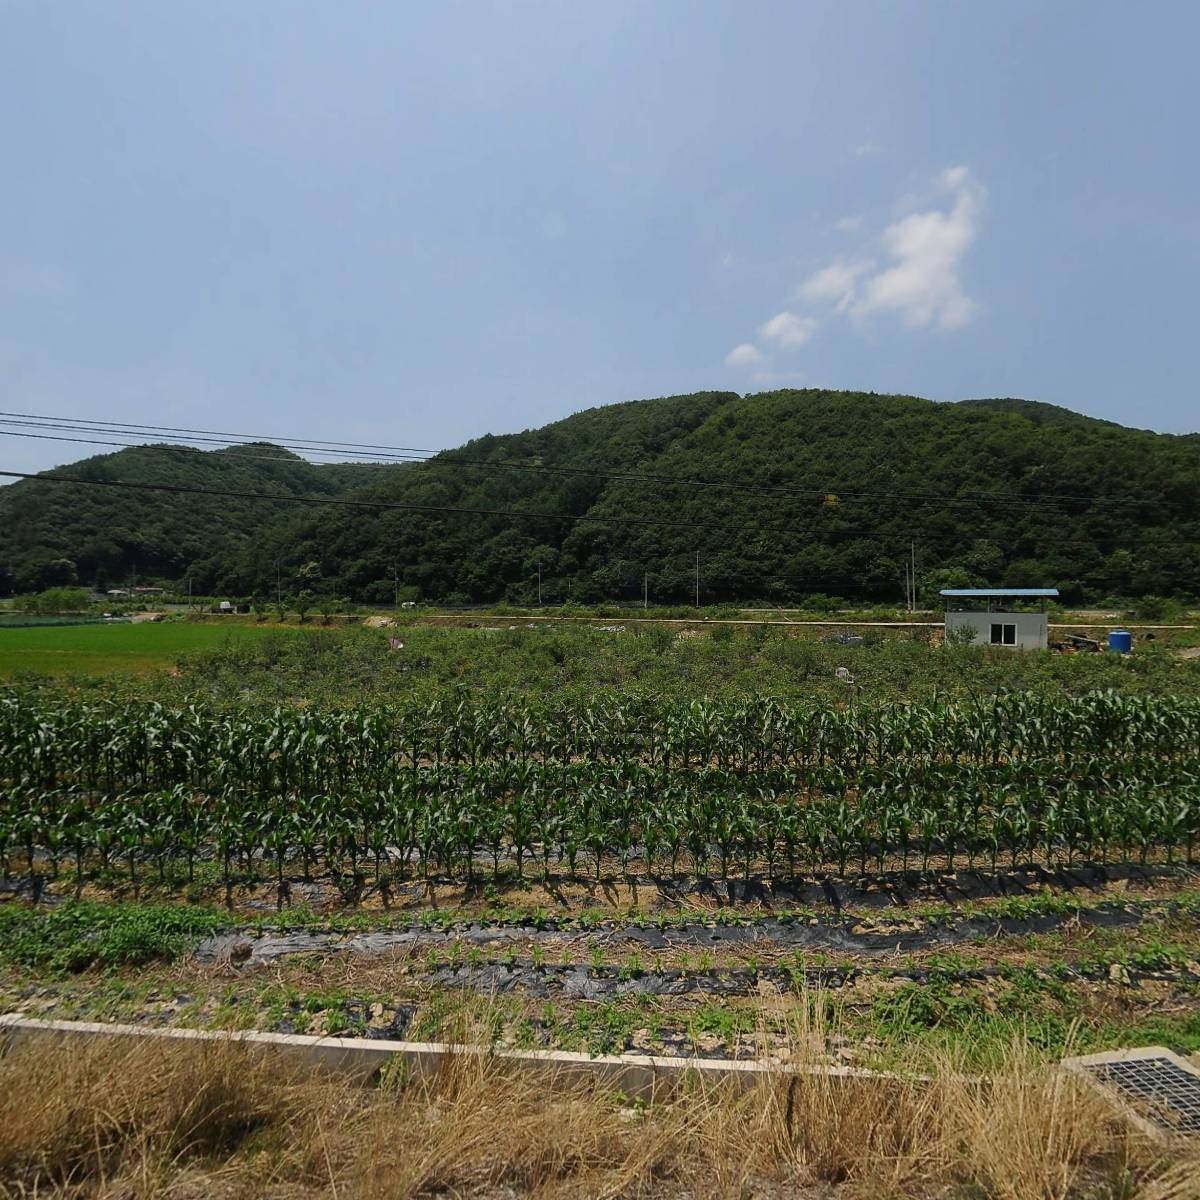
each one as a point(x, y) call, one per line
point(187, 1121)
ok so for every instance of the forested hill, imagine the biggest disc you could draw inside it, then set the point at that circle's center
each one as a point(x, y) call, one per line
point(54, 534)
point(781, 494)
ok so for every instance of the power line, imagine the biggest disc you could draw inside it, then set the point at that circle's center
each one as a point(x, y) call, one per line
point(227, 440)
point(346, 502)
point(257, 437)
point(29, 422)
point(825, 532)
point(452, 458)
point(828, 533)
point(384, 505)
point(227, 493)
point(842, 532)
point(277, 458)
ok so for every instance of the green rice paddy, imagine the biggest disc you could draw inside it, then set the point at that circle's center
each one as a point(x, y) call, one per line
point(116, 649)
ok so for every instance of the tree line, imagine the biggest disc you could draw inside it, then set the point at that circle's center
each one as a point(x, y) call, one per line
point(776, 497)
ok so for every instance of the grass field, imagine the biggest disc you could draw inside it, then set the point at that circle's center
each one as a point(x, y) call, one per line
point(343, 662)
point(314, 830)
point(145, 1121)
point(116, 649)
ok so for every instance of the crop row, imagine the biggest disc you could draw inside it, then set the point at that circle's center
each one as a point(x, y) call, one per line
point(455, 819)
point(461, 789)
point(46, 739)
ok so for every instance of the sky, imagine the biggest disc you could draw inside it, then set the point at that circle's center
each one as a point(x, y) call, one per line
point(416, 223)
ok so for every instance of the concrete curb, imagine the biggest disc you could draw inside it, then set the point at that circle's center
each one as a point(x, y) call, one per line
point(363, 1058)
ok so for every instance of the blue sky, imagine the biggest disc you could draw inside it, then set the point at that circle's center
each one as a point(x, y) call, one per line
point(417, 223)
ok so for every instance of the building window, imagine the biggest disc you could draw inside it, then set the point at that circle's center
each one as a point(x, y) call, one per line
point(1004, 635)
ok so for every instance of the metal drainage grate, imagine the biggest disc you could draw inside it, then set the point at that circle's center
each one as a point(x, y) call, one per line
point(1159, 1086)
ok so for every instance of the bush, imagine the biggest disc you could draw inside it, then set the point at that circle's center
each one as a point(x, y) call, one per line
point(78, 934)
point(55, 600)
point(1157, 608)
point(961, 635)
point(818, 602)
point(796, 655)
point(657, 637)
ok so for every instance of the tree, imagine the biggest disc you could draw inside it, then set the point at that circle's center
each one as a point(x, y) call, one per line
point(48, 573)
point(932, 583)
point(1008, 491)
point(56, 600)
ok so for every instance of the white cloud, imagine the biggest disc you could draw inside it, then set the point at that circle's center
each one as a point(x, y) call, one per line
point(914, 272)
point(745, 355)
point(866, 149)
point(924, 285)
point(788, 329)
point(834, 284)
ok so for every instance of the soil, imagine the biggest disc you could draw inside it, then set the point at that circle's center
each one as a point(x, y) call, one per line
point(733, 1011)
point(638, 892)
point(842, 935)
point(677, 967)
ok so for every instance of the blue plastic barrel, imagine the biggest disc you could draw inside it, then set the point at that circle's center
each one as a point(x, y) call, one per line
point(1120, 640)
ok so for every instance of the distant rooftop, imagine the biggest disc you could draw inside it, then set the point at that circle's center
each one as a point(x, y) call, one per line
point(985, 592)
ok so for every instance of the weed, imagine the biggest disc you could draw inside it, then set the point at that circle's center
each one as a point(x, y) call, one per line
point(78, 934)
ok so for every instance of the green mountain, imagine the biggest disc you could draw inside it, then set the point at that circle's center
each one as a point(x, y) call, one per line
point(52, 534)
point(779, 495)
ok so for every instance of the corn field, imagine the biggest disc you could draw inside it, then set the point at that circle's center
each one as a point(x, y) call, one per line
point(466, 790)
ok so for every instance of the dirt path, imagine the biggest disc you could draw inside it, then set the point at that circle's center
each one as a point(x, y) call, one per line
point(481, 618)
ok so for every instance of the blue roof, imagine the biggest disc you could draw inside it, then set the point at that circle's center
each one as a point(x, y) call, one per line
point(998, 592)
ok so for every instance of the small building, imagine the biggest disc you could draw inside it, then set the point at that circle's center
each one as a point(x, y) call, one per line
point(989, 615)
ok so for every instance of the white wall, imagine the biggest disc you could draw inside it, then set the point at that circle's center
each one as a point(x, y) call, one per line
point(1030, 632)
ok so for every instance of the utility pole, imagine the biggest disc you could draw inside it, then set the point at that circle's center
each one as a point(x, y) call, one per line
point(539, 585)
point(396, 587)
point(189, 592)
point(278, 582)
point(697, 578)
point(645, 590)
point(913, 550)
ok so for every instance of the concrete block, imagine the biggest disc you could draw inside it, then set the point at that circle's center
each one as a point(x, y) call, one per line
point(639, 1075)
